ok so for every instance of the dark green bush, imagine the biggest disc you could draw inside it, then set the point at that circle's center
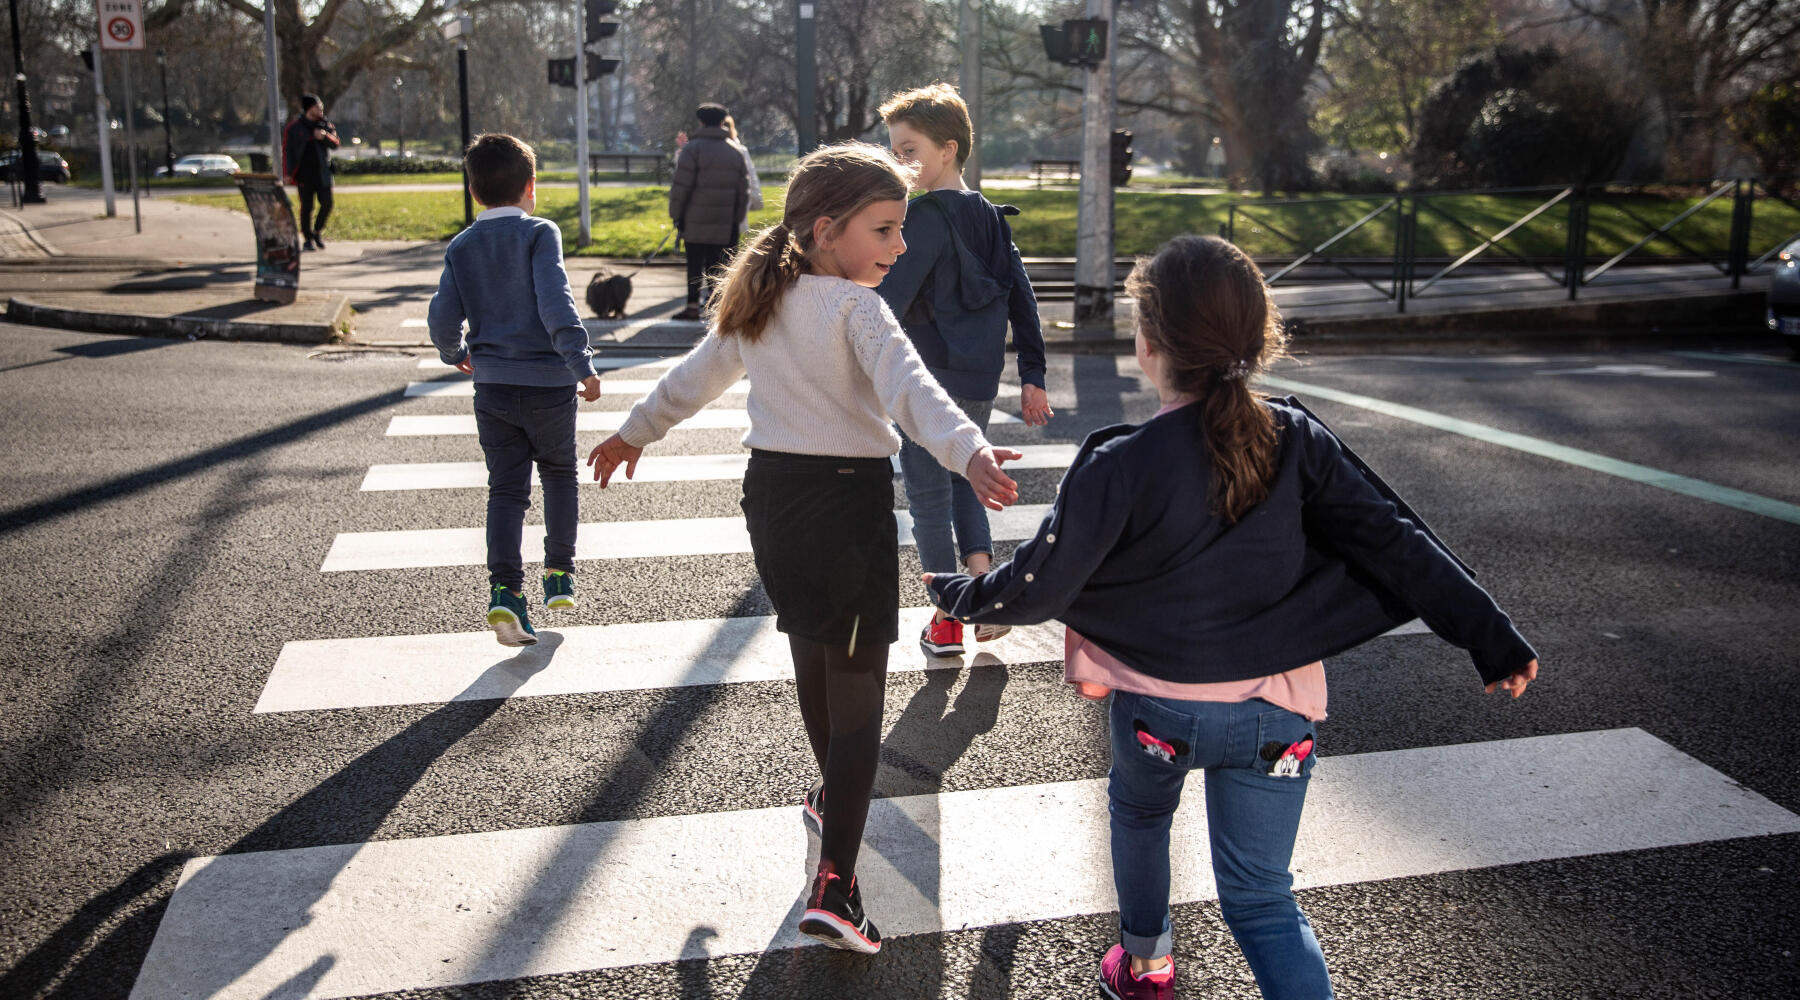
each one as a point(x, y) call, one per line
point(395, 165)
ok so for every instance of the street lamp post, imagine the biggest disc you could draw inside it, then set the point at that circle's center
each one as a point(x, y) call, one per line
point(162, 66)
point(400, 104)
point(28, 158)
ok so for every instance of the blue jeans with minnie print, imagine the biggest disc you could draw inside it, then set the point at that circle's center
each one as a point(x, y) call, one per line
point(1256, 760)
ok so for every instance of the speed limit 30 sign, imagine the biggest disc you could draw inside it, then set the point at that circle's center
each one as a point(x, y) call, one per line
point(121, 24)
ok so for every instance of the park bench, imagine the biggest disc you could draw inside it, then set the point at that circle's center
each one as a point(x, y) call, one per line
point(1067, 170)
point(657, 163)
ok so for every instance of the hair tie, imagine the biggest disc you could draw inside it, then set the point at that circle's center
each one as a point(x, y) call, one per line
point(1237, 371)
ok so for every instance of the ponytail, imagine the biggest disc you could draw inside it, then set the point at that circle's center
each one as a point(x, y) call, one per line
point(1202, 303)
point(755, 281)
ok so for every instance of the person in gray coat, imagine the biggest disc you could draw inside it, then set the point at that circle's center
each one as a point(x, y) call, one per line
point(708, 196)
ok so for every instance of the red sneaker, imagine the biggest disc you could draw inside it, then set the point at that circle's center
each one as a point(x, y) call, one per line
point(1120, 983)
point(943, 638)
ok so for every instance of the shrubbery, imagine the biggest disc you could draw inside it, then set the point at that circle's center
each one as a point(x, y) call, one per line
point(394, 165)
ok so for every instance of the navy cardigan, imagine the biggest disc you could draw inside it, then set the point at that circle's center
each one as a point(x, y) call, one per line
point(1130, 557)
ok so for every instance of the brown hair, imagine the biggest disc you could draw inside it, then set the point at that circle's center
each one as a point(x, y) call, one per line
point(1202, 304)
point(499, 167)
point(833, 182)
point(939, 112)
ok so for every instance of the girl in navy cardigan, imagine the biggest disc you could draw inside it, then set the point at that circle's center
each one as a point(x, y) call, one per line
point(1206, 562)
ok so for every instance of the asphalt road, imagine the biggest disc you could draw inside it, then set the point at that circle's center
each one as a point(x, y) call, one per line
point(167, 507)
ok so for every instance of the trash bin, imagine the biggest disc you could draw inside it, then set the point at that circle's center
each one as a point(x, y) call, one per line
point(259, 163)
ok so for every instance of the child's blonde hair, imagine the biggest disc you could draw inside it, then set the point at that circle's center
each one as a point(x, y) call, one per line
point(834, 182)
point(939, 112)
point(1203, 305)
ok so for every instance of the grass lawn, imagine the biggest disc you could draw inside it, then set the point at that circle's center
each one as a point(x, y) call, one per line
point(628, 222)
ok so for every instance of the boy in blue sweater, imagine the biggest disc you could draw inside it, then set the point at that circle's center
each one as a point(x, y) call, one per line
point(528, 351)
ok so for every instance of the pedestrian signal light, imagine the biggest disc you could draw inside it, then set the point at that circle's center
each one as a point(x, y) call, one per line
point(597, 25)
point(1078, 42)
point(562, 72)
point(1121, 158)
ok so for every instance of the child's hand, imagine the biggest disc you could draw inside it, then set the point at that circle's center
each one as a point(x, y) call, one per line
point(1035, 406)
point(609, 455)
point(466, 365)
point(995, 488)
point(590, 388)
point(1515, 685)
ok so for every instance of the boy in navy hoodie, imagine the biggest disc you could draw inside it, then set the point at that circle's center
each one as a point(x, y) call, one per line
point(528, 352)
point(955, 290)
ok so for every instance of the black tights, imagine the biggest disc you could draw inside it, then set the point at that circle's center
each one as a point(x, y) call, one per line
point(841, 698)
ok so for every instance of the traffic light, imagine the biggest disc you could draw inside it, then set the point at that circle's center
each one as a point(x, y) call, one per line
point(597, 27)
point(562, 72)
point(1121, 157)
point(1078, 42)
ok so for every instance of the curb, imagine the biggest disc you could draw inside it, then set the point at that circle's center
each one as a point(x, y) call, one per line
point(23, 310)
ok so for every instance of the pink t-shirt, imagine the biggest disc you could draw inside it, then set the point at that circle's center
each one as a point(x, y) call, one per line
point(1300, 690)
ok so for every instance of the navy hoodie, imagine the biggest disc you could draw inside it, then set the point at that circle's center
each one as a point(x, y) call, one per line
point(955, 289)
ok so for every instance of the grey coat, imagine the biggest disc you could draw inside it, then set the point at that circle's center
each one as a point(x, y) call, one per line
point(710, 190)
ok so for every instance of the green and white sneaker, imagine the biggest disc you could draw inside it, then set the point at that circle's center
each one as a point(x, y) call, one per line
point(559, 590)
point(506, 616)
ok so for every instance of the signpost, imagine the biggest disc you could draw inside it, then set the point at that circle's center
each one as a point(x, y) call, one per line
point(122, 30)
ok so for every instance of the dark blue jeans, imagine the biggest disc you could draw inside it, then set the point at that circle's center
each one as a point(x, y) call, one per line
point(520, 425)
point(1253, 805)
point(947, 516)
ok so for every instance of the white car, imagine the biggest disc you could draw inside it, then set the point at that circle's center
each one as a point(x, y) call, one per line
point(202, 165)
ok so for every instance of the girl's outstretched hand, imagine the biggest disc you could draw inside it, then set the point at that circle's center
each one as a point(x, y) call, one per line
point(609, 455)
point(1515, 685)
point(995, 488)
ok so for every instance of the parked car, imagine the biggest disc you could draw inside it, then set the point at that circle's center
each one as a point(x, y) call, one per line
point(1784, 295)
point(202, 165)
point(51, 166)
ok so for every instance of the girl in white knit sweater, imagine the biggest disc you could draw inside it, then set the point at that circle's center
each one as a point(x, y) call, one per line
point(830, 372)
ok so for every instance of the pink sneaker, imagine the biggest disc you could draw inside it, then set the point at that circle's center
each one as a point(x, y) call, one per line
point(1118, 982)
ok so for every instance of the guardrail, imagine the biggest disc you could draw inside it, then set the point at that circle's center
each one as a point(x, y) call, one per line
point(1547, 226)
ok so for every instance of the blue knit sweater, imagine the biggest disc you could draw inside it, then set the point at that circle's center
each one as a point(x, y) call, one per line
point(505, 276)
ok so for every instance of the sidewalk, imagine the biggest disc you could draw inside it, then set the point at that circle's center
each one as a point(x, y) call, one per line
point(194, 262)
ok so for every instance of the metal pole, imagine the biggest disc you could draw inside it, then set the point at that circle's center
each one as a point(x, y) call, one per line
point(28, 159)
point(462, 86)
point(274, 73)
point(137, 215)
point(585, 230)
point(104, 114)
point(970, 28)
point(1094, 212)
point(162, 65)
point(806, 79)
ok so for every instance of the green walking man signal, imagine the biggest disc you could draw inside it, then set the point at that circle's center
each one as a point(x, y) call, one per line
point(1079, 42)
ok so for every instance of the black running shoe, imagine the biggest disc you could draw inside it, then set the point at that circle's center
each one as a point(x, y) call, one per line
point(835, 916)
point(809, 805)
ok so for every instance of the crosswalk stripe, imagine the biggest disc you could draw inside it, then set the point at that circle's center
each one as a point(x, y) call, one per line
point(593, 420)
point(657, 469)
point(463, 387)
point(321, 674)
point(690, 536)
point(608, 387)
point(391, 915)
point(602, 362)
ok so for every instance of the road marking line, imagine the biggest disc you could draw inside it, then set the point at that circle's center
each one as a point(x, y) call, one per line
point(414, 322)
point(1697, 488)
point(604, 362)
point(608, 387)
point(322, 674)
point(593, 420)
point(690, 536)
point(655, 469)
point(391, 915)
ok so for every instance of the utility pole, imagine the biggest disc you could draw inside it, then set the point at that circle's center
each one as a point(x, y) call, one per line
point(28, 157)
point(400, 105)
point(585, 233)
point(162, 66)
point(104, 115)
point(1094, 214)
point(274, 71)
point(970, 29)
point(806, 76)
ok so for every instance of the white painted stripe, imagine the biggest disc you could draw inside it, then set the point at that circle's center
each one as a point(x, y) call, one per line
point(423, 669)
point(654, 469)
point(602, 362)
point(593, 420)
point(392, 915)
point(366, 550)
point(320, 674)
point(615, 388)
point(1697, 488)
point(414, 322)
